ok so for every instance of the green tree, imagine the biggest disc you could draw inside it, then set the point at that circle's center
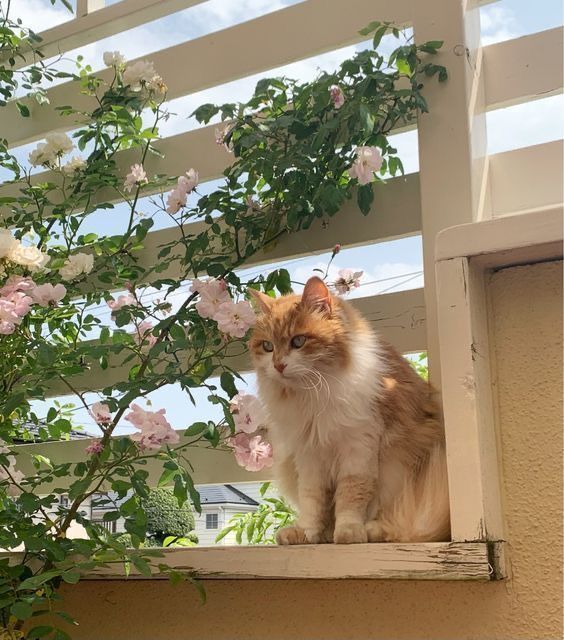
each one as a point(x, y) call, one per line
point(165, 517)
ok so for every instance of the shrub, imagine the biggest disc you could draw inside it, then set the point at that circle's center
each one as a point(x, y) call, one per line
point(165, 517)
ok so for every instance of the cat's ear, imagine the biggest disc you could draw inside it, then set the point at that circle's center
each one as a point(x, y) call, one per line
point(316, 295)
point(262, 301)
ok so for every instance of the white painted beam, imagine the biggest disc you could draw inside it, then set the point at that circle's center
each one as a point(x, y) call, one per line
point(395, 213)
point(527, 178)
point(281, 37)
point(93, 23)
point(524, 69)
point(398, 318)
point(498, 241)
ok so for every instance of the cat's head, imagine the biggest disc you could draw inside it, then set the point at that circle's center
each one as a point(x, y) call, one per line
point(296, 338)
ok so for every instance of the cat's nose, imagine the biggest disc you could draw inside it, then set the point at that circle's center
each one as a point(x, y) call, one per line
point(280, 366)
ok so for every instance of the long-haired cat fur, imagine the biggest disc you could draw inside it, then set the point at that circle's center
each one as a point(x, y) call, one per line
point(357, 437)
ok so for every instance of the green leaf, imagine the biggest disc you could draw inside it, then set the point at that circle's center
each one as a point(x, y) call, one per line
point(403, 66)
point(24, 111)
point(223, 533)
point(228, 384)
point(71, 576)
point(365, 197)
point(196, 428)
point(22, 610)
point(141, 565)
point(369, 28)
point(12, 402)
point(38, 580)
point(366, 118)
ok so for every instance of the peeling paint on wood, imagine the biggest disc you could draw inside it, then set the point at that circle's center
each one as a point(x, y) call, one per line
point(401, 561)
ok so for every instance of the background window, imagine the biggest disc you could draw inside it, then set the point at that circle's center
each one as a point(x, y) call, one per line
point(211, 521)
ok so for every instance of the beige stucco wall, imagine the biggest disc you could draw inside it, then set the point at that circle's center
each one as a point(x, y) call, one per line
point(526, 326)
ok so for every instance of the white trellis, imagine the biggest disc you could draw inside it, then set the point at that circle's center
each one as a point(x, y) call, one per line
point(510, 204)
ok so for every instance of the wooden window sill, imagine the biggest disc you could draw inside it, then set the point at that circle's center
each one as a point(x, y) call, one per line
point(410, 561)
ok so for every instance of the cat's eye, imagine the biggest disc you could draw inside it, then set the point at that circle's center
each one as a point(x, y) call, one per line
point(267, 346)
point(298, 341)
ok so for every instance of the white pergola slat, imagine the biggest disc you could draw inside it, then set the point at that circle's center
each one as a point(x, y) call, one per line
point(514, 71)
point(93, 24)
point(398, 317)
point(524, 69)
point(527, 178)
point(270, 35)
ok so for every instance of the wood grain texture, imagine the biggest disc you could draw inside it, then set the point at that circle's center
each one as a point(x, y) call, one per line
point(421, 561)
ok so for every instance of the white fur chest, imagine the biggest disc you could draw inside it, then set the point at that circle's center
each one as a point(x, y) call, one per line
point(323, 418)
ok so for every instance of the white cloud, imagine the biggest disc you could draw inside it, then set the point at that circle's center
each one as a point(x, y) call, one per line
point(498, 23)
point(40, 15)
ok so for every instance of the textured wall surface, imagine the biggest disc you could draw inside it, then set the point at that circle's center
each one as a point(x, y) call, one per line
point(526, 326)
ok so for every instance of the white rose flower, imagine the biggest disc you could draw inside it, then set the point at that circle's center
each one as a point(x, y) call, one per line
point(157, 84)
point(42, 154)
point(30, 257)
point(73, 165)
point(139, 72)
point(113, 59)
point(7, 242)
point(59, 143)
point(76, 265)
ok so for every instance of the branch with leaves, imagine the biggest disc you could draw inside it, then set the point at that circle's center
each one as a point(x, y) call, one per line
point(76, 297)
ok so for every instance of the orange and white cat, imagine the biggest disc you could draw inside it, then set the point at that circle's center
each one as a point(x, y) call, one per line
point(357, 438)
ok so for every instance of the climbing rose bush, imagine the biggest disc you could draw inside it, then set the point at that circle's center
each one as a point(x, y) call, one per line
point(94, 307)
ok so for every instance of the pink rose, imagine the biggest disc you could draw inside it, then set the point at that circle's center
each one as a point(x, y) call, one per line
point(17, 283)
point(122, 301)
point(94, 447)
point(46, 294)
point(247, 412)
point(176, 199)
point(235, 318)
point(348, 280)
point(337, 96)
point(143, 334)
point(153, 426)
point(188, 182)
point(101, 413)
point(368, 160)
point(213, 293)
point(135, 177)
point(251, 453)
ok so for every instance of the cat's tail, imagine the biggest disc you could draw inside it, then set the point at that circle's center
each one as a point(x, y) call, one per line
point(421, 511)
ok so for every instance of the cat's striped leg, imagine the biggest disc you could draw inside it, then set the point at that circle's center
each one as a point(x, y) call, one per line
point(314, 514)
point(356, 484)
point(351, 500)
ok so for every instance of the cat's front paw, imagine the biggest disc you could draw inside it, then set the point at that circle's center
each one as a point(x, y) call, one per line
point(350, 533)
point(291, 535)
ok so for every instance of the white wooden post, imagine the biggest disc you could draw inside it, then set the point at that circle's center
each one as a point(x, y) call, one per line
point(452, 138)
point(465, 257)
point(84, 7)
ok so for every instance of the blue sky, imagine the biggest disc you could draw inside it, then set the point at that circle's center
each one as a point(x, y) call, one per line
point(515, 127)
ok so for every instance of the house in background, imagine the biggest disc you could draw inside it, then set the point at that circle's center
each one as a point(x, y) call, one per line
point(220, 502)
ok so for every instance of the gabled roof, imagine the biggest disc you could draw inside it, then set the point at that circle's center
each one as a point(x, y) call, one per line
point(224, 494)
point(209, 494)
point(33, 435)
